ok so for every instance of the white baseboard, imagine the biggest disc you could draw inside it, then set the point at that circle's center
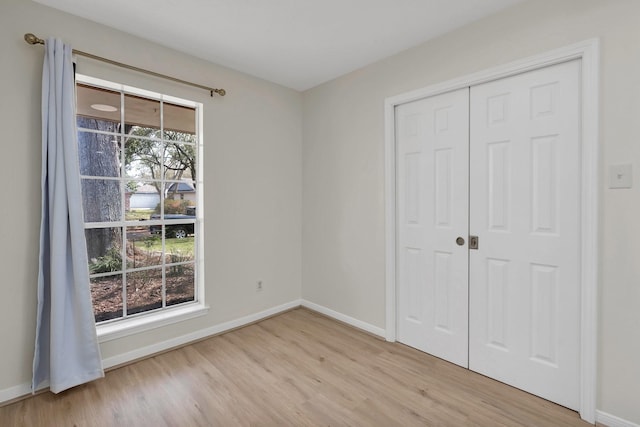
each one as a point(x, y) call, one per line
point(197, 335)
point(344, 318)
point(21, 390)
point(14, 392)
point(613, 421)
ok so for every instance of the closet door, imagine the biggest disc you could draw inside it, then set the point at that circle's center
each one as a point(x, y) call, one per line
point(525, 208)
point(432, 179)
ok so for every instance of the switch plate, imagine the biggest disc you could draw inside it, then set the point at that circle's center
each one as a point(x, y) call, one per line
point(620, 176)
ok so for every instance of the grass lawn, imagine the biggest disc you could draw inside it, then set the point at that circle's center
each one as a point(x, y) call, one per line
point(138, 214)
point(184, 246)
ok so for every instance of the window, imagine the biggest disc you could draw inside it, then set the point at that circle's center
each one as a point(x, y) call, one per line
point(140, 164)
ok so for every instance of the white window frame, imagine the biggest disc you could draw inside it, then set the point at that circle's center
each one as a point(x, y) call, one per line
point(156, 318)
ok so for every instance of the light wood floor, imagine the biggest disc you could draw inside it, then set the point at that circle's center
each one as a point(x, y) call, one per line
point(299, 368)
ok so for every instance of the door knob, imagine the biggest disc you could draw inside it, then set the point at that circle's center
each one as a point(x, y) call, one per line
point(460, 241)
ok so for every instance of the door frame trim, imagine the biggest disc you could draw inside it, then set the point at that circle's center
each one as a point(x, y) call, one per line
point(588, 52)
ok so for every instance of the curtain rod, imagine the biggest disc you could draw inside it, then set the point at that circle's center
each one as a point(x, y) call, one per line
point(32, 39)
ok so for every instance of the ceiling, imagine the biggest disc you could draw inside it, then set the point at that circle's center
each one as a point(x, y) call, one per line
point(295, 43)
point(105, 104)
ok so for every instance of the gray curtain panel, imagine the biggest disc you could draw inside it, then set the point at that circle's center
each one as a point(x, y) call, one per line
point(66, 351)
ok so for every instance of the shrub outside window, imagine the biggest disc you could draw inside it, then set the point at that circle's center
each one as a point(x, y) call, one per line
point(140, 165)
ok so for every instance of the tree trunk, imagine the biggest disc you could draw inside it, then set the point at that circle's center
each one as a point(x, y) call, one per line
point(99, 155)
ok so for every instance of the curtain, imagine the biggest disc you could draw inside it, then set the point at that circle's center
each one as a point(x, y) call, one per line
point(66, 349)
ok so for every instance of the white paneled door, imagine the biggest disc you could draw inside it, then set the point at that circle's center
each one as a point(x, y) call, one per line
point(509, 173)
point(525, 208)
point(433, 179)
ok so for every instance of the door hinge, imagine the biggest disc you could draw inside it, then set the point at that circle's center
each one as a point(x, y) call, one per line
point(473, 242)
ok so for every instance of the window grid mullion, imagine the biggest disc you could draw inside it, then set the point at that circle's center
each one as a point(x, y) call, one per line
point(164, 251)
point(123, 226)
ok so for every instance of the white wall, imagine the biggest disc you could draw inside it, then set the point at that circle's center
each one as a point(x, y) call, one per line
point(343, 167)
point(252, 180)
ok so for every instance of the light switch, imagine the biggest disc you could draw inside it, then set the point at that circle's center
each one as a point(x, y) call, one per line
point(620, 176)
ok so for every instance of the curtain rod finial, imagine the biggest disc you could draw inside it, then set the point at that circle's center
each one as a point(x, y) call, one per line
point(32, 39)
point(220, 92)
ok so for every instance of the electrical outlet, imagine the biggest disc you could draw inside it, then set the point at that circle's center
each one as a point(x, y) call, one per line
point(620, 176)
point(258, 285)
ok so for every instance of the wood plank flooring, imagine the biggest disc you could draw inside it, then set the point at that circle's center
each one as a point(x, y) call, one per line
point(296, 369)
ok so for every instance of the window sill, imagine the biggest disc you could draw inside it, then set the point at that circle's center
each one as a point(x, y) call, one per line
point(123, 328)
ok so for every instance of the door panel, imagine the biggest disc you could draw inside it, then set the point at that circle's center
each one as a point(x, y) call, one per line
point(525, 208)
point(432, 152)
